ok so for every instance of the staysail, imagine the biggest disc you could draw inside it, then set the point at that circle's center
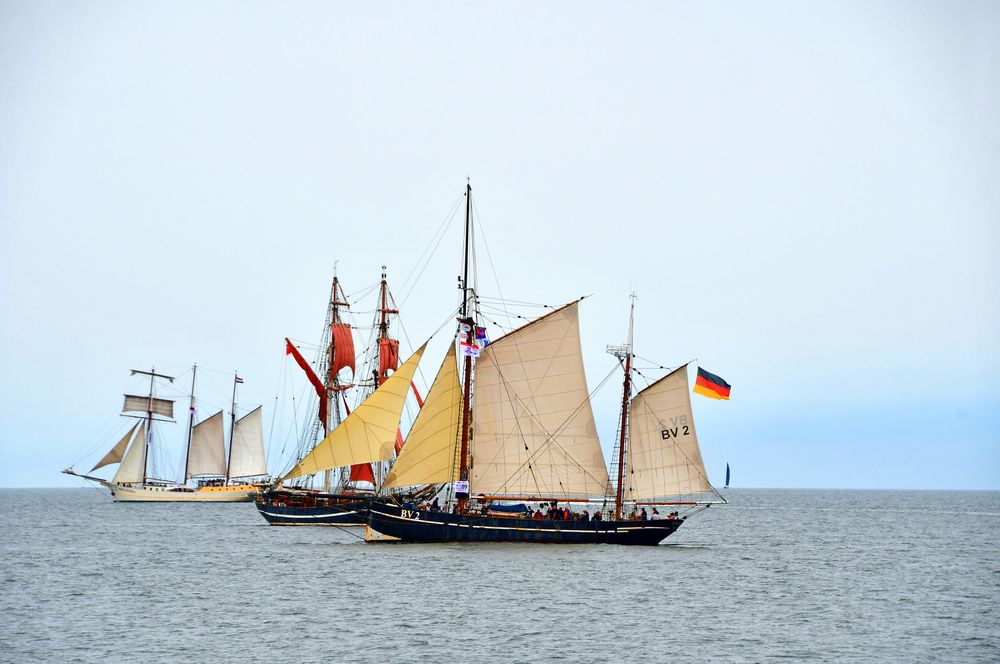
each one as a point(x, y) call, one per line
point(118, 451)
point(369, 433)
point(432, 446)
point(663, 454)
point(534, 427)
point(207, 455)
point(246, 458)
point(130, 470)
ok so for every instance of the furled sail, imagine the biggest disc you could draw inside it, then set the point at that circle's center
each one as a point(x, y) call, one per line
point(140, 404)
point(388, 356)
point(663, 454)
point(369, 433)
point(534, 427)
point(207, 455)
point(343, 348)
point(246, 458)
point(118, 451)
point(130, 470)
point(432, 446)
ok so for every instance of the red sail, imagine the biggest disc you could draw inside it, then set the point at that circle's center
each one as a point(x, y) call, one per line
point(343, 348)
point(388, 355)
point(290, 349)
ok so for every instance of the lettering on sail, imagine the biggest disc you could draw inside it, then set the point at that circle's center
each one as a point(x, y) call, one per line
point(679, 427)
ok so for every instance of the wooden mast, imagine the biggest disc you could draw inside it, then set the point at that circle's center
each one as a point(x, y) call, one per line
point(232, 428)
point(332, 382)
point(619, 494)
point(187, 455)
point(466, 318)
point(149, 426)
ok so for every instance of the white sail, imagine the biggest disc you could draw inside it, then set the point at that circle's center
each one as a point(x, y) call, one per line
point(247, 457)
point(131, 467)
point(534, 427)
point(207, 455)
point(141, 404)
point(118, 451)
point(663, 455)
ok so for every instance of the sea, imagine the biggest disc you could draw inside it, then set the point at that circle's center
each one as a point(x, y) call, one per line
point(775, 575)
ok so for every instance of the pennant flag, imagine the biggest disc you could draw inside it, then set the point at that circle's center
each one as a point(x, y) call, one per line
point(710, 385)
point(481, 336)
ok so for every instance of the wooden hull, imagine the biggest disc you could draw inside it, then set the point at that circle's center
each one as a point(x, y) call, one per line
point(392, 523)
point(241, 493)
point(283, 508)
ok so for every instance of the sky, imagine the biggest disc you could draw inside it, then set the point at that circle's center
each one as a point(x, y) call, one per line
point(803, 197)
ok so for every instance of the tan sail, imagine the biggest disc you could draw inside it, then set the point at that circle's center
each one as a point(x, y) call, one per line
point(207, 455)
point(131, 466)
point(430, 455)
point(140, 404)
point(664, 459)
point(534, 431)
point(247, 458)
point(369, 433)
point(117, 452)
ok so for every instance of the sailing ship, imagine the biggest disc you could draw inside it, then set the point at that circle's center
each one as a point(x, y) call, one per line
point(518, 426)
point(346, 503)
point(221, 476)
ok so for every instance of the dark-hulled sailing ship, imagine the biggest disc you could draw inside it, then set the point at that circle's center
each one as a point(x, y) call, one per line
point(517, 427)
point(344, 504)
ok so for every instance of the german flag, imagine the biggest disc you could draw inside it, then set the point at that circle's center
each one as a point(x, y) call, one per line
point(710, 385)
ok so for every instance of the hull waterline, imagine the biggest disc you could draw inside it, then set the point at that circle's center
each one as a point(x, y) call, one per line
point(280, 509)
point(392, 523)
point(243, 493)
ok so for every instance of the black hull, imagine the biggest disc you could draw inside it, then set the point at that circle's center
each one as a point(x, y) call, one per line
point(281, 509)
point(390, 523)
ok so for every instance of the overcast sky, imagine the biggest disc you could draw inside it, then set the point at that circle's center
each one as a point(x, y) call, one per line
point(804, 197)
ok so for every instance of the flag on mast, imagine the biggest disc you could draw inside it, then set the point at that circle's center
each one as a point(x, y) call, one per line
point(710, 385)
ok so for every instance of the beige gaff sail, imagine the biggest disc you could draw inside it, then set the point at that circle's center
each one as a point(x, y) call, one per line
point(369, 432)
point(247, 458)
point(141, 404)
point(534, 430)
point(430, 455)
point(130, 470)
point(207, 455)
point(118, 451)
point(663, 457)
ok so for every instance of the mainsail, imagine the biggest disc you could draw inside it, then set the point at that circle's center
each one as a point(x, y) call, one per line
point(246, 458)
point(207, 455)
point(369, 433)
point(663, 454)
point(130, 470)
point(534, 427)
point(432, 446)
point(118, 451)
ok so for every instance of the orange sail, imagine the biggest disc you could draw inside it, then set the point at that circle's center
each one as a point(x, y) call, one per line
point(388, 356)
point(343, 348)
point(317, 384)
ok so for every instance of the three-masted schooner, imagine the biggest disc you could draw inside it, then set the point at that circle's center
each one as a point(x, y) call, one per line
point(517, 425)
point(221, 475)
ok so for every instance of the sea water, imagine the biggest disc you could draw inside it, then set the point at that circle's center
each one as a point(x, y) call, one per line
point(845, 576)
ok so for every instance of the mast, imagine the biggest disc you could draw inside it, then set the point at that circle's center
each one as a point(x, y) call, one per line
point(232, 426)
point(620, 491)
point(332, 382)
point(467, 379)
point(149, 427)
point(187, 455)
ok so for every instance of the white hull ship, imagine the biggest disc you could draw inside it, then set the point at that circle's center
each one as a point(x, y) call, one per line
point(221, 477)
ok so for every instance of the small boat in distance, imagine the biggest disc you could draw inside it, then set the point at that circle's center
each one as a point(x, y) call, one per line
point(221, 476)
point(727, 476)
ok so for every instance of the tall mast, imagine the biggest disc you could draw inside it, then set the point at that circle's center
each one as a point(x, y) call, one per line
point(468, 320)
point(332, 382)
point(187, 455)
point(232, 426)
point(149, 426)
point(626, 389)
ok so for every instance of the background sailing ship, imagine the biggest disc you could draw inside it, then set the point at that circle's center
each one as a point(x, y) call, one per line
point(222, 475)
